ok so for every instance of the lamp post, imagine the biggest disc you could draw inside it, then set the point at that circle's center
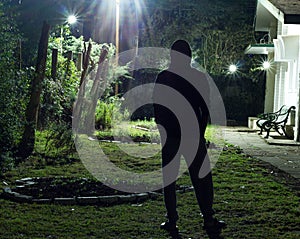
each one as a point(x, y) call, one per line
point(117, 39)
point(117, 25)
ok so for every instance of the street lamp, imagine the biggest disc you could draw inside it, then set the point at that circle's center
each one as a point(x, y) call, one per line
point(117, 39)
point(117, 25)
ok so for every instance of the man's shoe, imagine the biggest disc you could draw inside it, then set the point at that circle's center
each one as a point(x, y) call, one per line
point(214, 228)
point(169, 226)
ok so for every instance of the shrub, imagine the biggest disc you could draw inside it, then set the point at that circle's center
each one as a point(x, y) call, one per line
point(104, 112)
point(60, 140)
point(109, 113)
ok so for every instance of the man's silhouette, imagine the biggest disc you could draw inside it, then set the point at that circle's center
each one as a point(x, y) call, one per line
point(192, 86)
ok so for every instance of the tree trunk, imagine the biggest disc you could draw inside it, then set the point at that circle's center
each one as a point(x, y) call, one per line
point(94, 93)
point(69, 58)
point(54, 63)
point(26, 145)
point(86, 61)
point(79, 62)
point(79, 104)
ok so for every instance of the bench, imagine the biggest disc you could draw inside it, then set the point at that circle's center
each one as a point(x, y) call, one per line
point(276, 120)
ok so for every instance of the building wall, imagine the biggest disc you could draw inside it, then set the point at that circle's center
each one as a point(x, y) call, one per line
point(279, 90)
point(287, 59)
point(286, 90)
point(270, 86)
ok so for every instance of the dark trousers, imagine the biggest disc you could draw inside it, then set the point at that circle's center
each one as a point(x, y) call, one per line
point(203, 186)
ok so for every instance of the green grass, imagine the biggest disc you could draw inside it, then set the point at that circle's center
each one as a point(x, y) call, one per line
point(247, 197)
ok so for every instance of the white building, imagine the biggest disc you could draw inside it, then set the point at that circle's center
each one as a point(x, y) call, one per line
point(280, 19)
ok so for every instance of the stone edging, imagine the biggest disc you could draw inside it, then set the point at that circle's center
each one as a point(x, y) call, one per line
point(8, 193)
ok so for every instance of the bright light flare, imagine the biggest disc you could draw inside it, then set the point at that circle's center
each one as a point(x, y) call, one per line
point(72, 19)
point(266, 65)
point(132, 14)
point(232, 68)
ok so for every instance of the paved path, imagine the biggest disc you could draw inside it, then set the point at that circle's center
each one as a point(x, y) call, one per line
point(283, 154)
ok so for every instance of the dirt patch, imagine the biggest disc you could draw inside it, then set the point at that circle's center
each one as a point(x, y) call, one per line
point(64, 188)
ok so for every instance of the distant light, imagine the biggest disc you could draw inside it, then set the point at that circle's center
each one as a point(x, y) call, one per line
point(266, 65)
point(232, 68)
point(72, 19)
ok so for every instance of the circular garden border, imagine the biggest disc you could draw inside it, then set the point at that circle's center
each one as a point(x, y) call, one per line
point(9, 193)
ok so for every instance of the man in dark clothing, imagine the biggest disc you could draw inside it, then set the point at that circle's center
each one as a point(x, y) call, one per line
point(182, 129)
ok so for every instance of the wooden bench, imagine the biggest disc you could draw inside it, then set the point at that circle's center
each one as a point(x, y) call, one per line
point(276, 120)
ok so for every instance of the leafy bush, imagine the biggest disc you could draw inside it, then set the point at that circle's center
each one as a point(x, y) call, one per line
point(109, 113)
point(59, 94)
point(104, 112)
point(60, 140)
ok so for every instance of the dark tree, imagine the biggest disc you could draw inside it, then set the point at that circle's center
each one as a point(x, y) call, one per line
point(27, 143)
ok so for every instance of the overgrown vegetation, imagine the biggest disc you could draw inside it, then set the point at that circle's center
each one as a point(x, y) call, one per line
point(59, 87)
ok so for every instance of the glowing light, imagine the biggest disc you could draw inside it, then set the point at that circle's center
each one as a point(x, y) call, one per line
point(266, 65)
point(232, 68)
point(72, 19)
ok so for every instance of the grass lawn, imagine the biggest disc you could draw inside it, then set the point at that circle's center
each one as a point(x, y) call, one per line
point(247, 196)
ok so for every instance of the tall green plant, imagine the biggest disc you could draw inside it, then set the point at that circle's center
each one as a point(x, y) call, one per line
point(109, 113)
point(13, 87)
point(59, 94)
